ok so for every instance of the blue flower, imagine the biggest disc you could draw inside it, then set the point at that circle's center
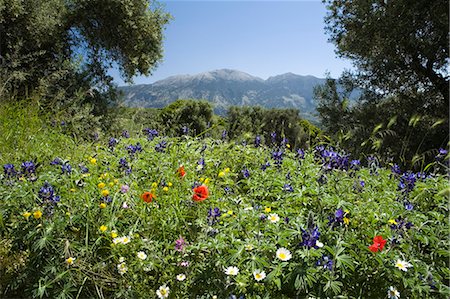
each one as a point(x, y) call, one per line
point(66, 168)
point(325, 262)
point(213, 215)
point(112, 143)
point(28, 167)
point(125, 134)
point(264, 166)
point(56, 161)
point(395, 169)
point(300, 154)
point(224, 134)
point(161, 147)
point(257, 141)
point(310, 237)
point(184, 130)
point(407, 182)
point(9, 170)
point(133, 149)
point(288, 188)
point(151, 133)
point(273, 137)
point(83, 169)
point(246, 173)
point(278, 157)
point(47, 194)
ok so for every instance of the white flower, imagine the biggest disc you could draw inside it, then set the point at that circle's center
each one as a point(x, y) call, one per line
point(122, 268)
point(319, 244)
point(163, 292)
point(248, 208)
point(393, 293)
point(70, 261)
point(141, 255)
point(232, 270)
point(274, 218)
point(121, 259)
point(249, 247)
point(259, 275)
point(402, 265)
point(125, 240)
point(181, 277)
point(283, 254)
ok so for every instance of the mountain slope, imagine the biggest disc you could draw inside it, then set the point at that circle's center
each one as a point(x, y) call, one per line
point(224, 88)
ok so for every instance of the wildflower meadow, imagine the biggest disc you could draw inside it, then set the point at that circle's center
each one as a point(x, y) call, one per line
point(143, 215)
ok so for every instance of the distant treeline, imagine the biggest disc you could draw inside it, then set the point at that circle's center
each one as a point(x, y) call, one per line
point(196, 118)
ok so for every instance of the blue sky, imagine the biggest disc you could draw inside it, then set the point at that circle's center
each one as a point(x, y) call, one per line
point(262, 38)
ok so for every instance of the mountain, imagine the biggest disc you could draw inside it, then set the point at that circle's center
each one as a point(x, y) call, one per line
point(224, 88)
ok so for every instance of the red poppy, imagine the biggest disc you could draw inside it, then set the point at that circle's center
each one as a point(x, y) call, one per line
point(378, 244)
point(200, 193)
point(147, 197)
point(181, 171)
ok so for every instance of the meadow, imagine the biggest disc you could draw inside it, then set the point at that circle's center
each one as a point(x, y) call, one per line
point(143, 215)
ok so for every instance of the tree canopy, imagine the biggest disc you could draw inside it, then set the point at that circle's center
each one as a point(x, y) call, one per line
point(44, 38)
point(397, 46)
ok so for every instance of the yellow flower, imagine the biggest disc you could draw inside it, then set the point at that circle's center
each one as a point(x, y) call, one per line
point(26, 215)
point(169, 184)
point(105, 193)
point(72, 190)
point(102, 205)
point(268, 209)
point(206, 181)
point(104, 175)
point(227, 170)
point(21, 178)
point(101, 185)
point(111, 184)
point(37, 214)
point(221, 174)
point(165, 189)
point(346, 211)
point(392, 221)
point(70, 261)
point(154, 185)
point(230, 212)
point(68, 214)
point(346, 220)
point(93, 161)
point(103, 228)
point(114, 234)
point(201, 180)
point(116, 181)
point(288, 145)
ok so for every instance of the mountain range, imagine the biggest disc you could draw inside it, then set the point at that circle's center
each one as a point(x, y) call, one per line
point(224, 88)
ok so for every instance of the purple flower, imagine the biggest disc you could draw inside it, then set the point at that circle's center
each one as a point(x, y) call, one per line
point(300, 154)
point(395, 169)
point(184, 130)
point(161, 147)
point(278, 157)
point(309, 237)
point(56, 161)
point(273, 137)
point(124, 188)
point(28, 168)
point(9, 170)
point(246, 173)
point(180, 244)
point(213, 215)
point(125, 134)
point(337, 219)
point(47, 194)
point(151, 133)
point(408, 206)
point(288, 188)
point(407, 182)
point(257, 141)
point(264, 166)
point(355, 164)
point(325, 262)
point(66, 168)
point(224, 134)
point(133, 149)
point(112, 143)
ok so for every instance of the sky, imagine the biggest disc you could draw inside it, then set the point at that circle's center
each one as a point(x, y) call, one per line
point(262, 38)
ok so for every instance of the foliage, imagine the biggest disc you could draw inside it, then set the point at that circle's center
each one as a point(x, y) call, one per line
point(388, 127)
point(98, 237)
point(41, 39)
point(285, 123)
point(397, 46)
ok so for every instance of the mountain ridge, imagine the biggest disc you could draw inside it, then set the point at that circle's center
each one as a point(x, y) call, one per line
point(228, 87)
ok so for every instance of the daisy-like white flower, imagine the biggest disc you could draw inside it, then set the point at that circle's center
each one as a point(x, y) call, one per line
point(232, 270)
point(126, 240)
point(283, 254)
point(181, 277)
point(393, 293)
point(121, 259)
point(141, 255)
point(259, 275)
point(274, 218)
point(70, 261)
point(122, 268)
point(249, 247)
point(163, 292)
point(402, 265)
